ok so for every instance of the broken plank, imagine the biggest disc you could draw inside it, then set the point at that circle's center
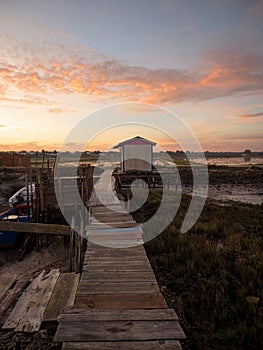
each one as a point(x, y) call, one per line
point(33, 318)
point(20, 307)
point(29, 310)
point(10, 298)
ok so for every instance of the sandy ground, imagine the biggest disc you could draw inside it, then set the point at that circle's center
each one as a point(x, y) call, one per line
point(55, 255)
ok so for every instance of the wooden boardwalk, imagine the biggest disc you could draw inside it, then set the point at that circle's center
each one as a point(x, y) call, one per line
point(118, 304)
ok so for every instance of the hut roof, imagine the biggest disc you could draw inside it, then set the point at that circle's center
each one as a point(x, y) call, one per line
point(137, 140)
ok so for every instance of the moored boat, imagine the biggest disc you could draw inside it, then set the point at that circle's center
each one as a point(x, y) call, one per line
point(15, 214)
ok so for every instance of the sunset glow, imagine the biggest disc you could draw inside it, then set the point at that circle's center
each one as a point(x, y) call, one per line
point(61, 61)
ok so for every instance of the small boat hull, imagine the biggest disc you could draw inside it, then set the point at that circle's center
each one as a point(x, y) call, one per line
point(16, 214)
point(7, 239)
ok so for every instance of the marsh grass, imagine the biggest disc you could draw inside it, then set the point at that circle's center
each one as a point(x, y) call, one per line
point(213, 274)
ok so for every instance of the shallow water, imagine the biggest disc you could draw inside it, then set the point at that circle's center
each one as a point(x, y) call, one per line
point(231, 161)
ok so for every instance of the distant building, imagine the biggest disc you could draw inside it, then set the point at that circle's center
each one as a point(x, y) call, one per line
point(136, 154)
point(14, 159)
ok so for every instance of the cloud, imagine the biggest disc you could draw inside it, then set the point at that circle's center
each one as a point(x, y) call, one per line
point(28, 146)
point(59, 110)
point(45, 69)
point(251, 115)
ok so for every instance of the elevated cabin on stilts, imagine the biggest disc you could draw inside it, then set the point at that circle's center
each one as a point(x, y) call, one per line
point(136, 154)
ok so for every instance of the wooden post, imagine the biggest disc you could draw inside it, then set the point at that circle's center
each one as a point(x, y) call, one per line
point(43, 159)
point(41, 191)
point(71, 245)
point(76, 251)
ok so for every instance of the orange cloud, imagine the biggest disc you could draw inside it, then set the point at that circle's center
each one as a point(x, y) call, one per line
point(28, 146)
point(251, 115)
point(60, 110)
point(55, 69)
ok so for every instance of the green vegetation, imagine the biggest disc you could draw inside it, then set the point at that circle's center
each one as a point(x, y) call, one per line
point(213, 274)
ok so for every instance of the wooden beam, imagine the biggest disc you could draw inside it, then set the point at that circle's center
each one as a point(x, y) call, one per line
point(50, 229)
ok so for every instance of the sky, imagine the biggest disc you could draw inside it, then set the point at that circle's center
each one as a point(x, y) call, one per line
point(62, 61)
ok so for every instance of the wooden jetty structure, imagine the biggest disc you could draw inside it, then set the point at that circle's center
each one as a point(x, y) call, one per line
point(112, 302)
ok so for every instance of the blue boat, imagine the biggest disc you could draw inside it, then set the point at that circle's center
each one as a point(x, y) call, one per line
point(16, 214)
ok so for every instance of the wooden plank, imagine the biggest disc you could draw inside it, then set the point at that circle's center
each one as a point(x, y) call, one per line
point(117, 243)
point(121, 276)
point(105, 253)
point(117, 256)
point(29, 310)
point(114, 224)
point(20, 308)
point(114, 237)
point(10, 298)
point(50, 229)
point(119, 331)
point(63, 295)
point(111, 213)
point(98, 249)
point(120, 301)
point(118, 315)
point(124, 345)
point(113, 231)
point(117, 266)
point(118, 287)
point(115, 261)
point(32, 319)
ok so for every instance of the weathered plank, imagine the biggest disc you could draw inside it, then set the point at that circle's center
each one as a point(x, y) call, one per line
point(117, 268)
point(10, 298)
point(124, 345)
point(20, 308)
point(121, 276)
point(116, 253)
point(29, 310)
point(115, 256)
point(73, 315)
point(50, 229)
point(116, 224)
point(116, 260)
point(120, 301)
point(97, 237)
point(96, 249)
point(118, 287)
point(31, 321)
point(63, 295)
point(119, 331)
point(117, 243)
